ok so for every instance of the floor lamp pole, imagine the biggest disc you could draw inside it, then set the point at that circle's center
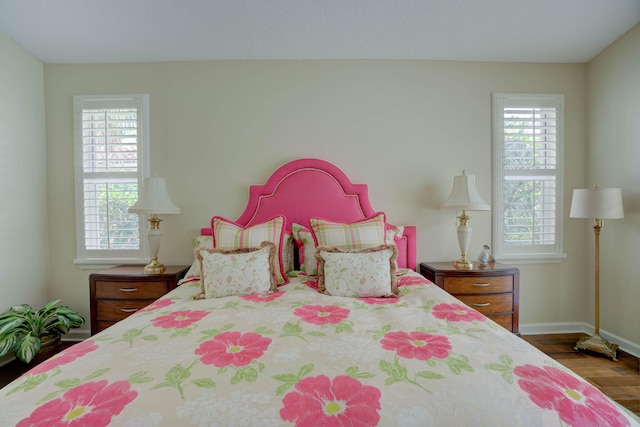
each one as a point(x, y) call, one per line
point(596, 231)
point(595, 342)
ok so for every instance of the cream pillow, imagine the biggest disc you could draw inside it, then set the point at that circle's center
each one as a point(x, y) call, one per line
point(242, 271)
point(199, 242)
point(367, 272)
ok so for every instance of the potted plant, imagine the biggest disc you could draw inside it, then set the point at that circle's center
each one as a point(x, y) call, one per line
point(25, 331)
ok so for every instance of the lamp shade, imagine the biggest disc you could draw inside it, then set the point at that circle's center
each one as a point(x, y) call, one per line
point(597, 203)
point(154, 198)
point(464, 195)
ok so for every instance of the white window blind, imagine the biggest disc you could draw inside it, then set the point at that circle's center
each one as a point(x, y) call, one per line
point(111, 151)
point(528, 176)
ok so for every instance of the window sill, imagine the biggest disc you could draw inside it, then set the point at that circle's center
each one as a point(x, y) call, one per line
point(531, 258)
point(94, 264)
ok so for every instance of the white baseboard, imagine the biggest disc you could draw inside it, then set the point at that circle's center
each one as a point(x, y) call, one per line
point(7, 358)
point(571, 328)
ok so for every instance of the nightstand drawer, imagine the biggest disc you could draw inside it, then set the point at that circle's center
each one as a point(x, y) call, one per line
point(118, 292)
point(492, 289)
point(478, 285)
point(119, 309)
point(130, 290)
point(504, 320)
point(489, 304)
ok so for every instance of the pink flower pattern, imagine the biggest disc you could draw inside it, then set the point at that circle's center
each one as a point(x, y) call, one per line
point(577, 402)
point(417, 345)
point(66, 356)
point(179, 319)
point(262, 297)
point(233, 348)
point(313, 284)
point(322, 315)
point(91, 404)
point(456, 313)
point(343, 401)
point(158, 304)
point(408, 280)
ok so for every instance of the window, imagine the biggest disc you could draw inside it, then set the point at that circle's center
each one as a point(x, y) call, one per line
point(111, 162)
point(527, 147)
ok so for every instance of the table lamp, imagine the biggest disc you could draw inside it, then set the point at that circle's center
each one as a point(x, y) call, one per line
point(154, 200)
point(464, 196)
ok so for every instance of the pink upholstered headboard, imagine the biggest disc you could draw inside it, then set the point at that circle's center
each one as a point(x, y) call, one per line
point(306, 188)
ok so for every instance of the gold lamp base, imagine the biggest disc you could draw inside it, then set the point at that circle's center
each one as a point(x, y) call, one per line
point(463, 264)
point(598, 344)
point(154, 267)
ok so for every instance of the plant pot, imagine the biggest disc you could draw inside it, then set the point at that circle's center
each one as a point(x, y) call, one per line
point(50, 345)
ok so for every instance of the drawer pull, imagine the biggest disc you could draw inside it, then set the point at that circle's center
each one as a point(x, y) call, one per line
point(484, 304)
point(128, 310)
point(128, 289)
point(481, 285)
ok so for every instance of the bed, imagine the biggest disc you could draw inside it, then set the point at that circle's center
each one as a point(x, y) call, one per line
point(298, 346)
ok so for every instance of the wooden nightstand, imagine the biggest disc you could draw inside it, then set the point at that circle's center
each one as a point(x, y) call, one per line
point(120, 291)
point(493, 289)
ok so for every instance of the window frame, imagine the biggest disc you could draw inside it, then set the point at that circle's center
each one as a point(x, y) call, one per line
point(86, 258)
point(526, 253)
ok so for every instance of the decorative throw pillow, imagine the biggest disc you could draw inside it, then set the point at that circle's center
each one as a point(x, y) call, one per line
point(367, 272)
point(242, 271)
point(230, 235)
point(306, 249)
point(287, 252)
point(393, 232)
point(199, 242)
point(363, 234)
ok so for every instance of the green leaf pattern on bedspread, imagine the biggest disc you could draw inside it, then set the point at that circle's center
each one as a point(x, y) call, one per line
point(297, 357)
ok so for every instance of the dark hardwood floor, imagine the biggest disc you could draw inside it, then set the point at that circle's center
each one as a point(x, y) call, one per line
point(619, 380)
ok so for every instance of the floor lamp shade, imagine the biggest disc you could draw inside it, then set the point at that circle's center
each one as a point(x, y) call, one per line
point(597, 204)
point(465, 197)
point(154, 199)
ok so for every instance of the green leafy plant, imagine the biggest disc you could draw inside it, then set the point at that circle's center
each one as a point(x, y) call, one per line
point(22, 330)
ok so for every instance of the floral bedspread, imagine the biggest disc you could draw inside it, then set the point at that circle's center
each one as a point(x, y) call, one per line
point(297, 357)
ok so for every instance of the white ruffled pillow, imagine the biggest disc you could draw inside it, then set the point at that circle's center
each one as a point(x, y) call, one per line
point(367, 272)
point(244, 271)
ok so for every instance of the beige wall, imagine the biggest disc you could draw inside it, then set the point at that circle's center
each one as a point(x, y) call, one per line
point(403, 127)
point(614, 161)
point(24, 248)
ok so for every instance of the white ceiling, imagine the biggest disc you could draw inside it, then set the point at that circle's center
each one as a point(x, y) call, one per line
point(94, 31)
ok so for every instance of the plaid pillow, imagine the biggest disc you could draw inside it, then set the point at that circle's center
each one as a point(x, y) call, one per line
point(367, 233)
point(229, 235)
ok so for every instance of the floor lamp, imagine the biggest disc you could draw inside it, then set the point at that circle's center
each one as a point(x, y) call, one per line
point(154, 199)
point(465, 197)
point(598, 204)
